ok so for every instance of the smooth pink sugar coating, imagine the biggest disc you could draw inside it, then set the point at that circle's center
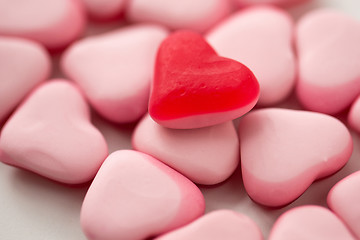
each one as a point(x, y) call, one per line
point(197, 15)
point(329, 60)
point(256, 37)
point(206, 155)
point(104, 9)
point(135, 196)
point(354, 115)
point(53, 23)
point(309, 222)
point(220, 224)
point(284, 3)
point(23, 65)
point(115, 70)
point(194, 87)
point(283, 151)
point(51, 134)
point(344, 200)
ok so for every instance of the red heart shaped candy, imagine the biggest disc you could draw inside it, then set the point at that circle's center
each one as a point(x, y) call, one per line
point(194, 87)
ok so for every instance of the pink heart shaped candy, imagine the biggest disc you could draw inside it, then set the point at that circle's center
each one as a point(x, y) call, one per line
point(283, 151)
point(261, 38)
point(134, 196)
point(115, 69)
point(220, 224)
point(23, 65)
point(51, 134)
point(309, 222)
point(343, 199)
point(53, 23)
point(329, 60)
point(206, 155)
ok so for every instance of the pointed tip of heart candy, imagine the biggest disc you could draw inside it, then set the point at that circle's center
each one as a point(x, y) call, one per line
point(193, 87)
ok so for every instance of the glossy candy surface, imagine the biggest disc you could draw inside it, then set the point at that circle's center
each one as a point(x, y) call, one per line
point(194, 87)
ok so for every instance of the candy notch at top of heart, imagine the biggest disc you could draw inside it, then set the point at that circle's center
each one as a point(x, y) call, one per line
point(193, 87)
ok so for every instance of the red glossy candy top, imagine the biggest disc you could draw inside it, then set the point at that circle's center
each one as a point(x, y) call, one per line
point(191, 79)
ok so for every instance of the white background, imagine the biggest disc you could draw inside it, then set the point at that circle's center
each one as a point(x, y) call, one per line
point(34, 208)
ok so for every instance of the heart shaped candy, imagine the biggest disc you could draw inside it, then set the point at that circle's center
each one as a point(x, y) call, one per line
point(51, 134)
point(329, 61)
point(194, 87)
point(241, 37)
point(284, 151)
point(134, 196)
point(344, 198)
point(196, 15)
point(205, 155)
point(309, 222)
point(23, 65)
point(53, 23)
point(221, 224)
point(114, 70)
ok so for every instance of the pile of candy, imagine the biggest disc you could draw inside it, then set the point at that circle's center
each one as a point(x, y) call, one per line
point(183, 70)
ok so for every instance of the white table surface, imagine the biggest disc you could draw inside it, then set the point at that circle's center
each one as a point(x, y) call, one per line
point(34, 208)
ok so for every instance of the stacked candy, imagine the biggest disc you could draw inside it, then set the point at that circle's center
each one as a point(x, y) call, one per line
point(185, 70)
